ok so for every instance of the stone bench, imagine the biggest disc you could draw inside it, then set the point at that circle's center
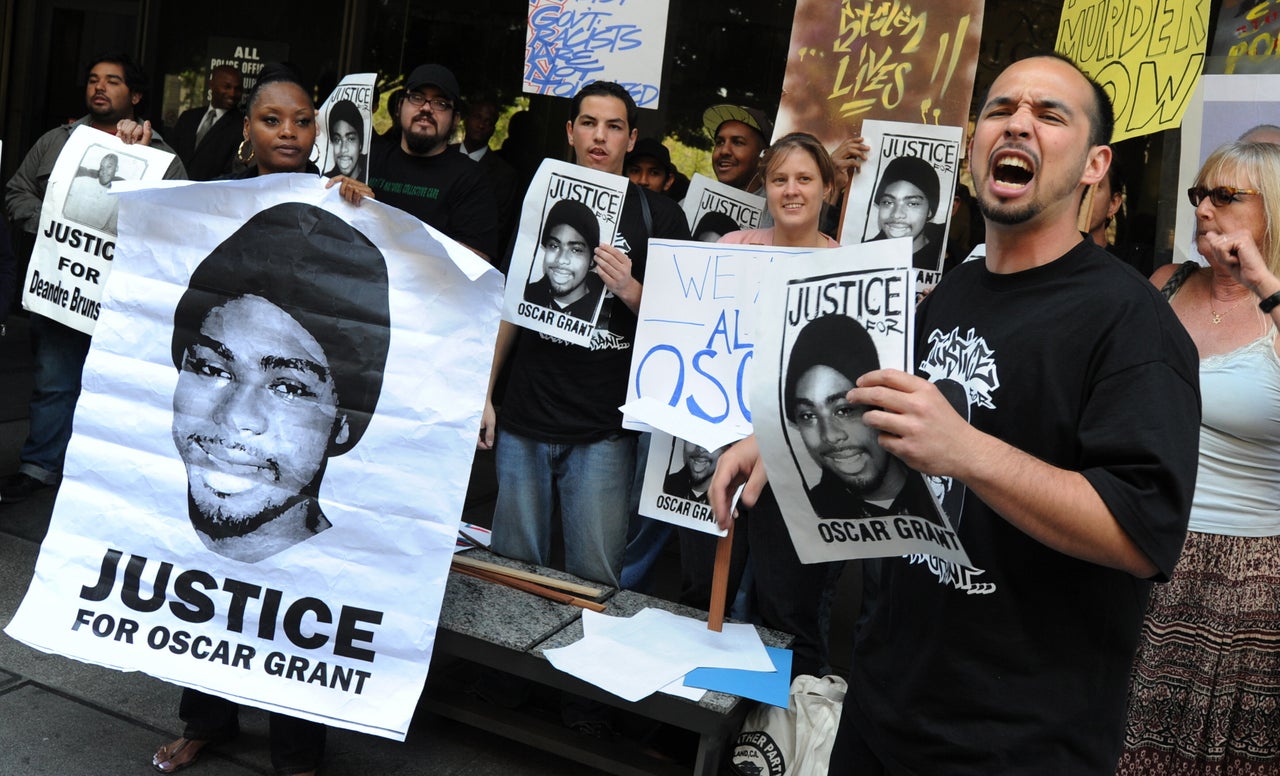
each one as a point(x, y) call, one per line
point(506, 629)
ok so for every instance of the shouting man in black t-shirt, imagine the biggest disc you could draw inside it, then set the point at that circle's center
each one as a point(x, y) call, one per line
point(561, 432)
point(1079, 483)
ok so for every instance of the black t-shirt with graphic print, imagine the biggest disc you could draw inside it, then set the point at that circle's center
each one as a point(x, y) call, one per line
point(564, 393)
point(1020, 664)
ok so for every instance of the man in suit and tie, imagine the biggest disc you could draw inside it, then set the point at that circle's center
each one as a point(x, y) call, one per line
point(206, 139)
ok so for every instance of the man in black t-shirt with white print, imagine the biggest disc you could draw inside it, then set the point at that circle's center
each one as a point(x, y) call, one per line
point(1078, 480)
point(560, 435)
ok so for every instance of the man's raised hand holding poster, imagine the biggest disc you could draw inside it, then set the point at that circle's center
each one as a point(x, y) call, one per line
point(345, 126)
point(243, 506)
point(553, 287)
point(76, 239)
point(714, 209)
point(823, 324)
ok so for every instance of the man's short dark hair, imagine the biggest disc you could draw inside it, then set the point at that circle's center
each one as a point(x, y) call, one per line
point(606, 89)
point(915, 171)
point(232, 69)
point(575, 215)
point(326, 275)
point(835, 341)
point(134, 77)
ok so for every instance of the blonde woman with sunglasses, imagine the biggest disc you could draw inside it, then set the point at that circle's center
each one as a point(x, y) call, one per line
point(1206, 679)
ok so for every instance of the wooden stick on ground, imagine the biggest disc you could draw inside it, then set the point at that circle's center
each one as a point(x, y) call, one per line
point(529, 587)
point(720, 581)
point(527, 576)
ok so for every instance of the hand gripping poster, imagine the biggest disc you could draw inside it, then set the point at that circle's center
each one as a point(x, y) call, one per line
point(905, 190)
point(823, 324)
point(345, 126)
point(714, 209)
point(553, 287)
point(886, 59)
point(76, 239)
point(271, 451)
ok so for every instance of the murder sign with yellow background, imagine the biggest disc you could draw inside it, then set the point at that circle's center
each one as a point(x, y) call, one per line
point(1147, 54)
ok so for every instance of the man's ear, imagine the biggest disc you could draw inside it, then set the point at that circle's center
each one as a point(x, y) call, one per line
point(134, 97)
point(631, 144)
point(1097, 164)
point(341, 429)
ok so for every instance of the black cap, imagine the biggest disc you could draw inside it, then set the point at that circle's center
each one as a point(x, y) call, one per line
point(438, 76)
point(647, 146)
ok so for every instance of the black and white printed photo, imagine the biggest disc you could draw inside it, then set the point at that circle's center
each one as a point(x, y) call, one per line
point(347, 152)
point(89, 201)
point(906, 203)
point(277, 373)
point(564, 279)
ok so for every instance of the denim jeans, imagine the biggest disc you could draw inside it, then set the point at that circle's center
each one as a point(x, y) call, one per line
point(592, 483)
point(59, 354)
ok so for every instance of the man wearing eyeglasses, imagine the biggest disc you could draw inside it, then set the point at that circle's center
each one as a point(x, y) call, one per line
point(410, 169)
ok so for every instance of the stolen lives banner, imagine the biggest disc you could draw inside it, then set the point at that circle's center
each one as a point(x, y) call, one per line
point(76, 240)
point(822, 324)
point(854, 59)
point(270, 454)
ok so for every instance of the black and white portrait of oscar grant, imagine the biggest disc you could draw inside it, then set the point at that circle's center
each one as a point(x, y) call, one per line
point(280, 340)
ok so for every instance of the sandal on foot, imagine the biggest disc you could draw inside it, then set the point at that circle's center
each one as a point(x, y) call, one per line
point(182, 753)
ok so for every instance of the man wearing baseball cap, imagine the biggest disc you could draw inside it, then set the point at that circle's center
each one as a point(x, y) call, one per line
point(741, 134)
point(649, 166)
point(409, 169)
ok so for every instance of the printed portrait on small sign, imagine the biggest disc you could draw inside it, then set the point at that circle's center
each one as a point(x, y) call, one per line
point(89, 201)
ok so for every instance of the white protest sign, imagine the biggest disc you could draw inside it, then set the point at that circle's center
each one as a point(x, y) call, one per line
point(243, 509)
point(714, 209)
point(344, 127)
point(694, 340)
point(905, 189)
point(571, 43)
point(823, 324)
point(568, 211)
point(676, 478)
point(76, 239)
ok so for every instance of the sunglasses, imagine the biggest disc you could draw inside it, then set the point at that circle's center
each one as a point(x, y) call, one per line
point(1220, 196)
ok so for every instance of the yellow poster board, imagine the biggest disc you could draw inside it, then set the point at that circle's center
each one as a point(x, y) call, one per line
point(1147, 54)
